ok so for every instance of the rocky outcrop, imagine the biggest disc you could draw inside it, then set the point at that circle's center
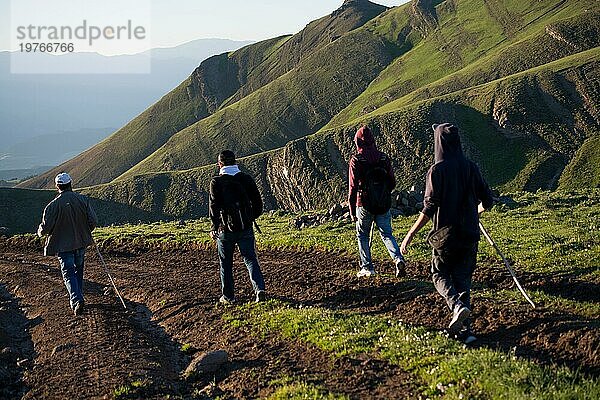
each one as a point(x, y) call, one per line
point(404, 203)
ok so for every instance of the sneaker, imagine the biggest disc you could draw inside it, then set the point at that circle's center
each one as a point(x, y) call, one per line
point(365, 272)
point(461, 313)
point(466, 336)
point(225, 301)
point(470, 339)
point(400, 268)
point(78, 309)
point(261, 296)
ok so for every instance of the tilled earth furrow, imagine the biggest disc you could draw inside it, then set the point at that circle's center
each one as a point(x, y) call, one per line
point(92, 355)
point(184, 301)
point(173, 295)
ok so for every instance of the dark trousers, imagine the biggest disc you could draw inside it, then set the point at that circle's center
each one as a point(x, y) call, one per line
point(226, 245)
point(452, 273)
point(71, 267)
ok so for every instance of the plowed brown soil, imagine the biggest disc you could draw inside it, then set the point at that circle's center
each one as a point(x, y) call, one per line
point(171, 298)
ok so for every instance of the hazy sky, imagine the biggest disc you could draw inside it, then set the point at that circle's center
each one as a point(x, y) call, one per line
point(178, 21)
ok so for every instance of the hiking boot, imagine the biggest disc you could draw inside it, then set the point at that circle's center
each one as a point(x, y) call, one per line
point(461, 313)
point(225, 301)
point(365, 272)
point(78, 309)
point(261, 296)
point(400, 268)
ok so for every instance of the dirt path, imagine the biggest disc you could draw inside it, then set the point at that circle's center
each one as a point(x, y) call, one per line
point(173, 296)
point(86, 357)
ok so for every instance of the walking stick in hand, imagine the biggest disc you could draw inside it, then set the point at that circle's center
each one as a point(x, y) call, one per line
point(112, 281)
point(512, 273)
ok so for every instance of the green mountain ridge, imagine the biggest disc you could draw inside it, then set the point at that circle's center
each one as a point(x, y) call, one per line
point(290, 176)
point(216, 80)
point(293, 106)
point(521, 78)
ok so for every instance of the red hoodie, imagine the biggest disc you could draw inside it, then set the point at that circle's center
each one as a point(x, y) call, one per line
point(365, 146)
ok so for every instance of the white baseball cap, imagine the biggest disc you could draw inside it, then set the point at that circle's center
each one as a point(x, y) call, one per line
point(62, 179)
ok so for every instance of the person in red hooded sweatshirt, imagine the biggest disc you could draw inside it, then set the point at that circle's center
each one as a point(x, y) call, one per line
point(371, 181)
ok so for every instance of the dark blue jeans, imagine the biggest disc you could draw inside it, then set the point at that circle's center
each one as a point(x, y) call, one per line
point(71, 267)
point(226, 245)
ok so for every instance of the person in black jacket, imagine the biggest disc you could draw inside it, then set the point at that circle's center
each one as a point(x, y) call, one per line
point(455, 195)
point(234, 205)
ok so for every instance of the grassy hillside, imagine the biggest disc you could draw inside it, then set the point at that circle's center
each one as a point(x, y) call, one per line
point(21, 210)
point(431, 41)
point(457, 55)
point(201, 94)
point(584, 170)
point(520, 78)
point(220, 77)
point(316, 35)
point(529, 151)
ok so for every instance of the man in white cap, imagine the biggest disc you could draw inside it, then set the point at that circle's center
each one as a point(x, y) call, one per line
point(68, 221)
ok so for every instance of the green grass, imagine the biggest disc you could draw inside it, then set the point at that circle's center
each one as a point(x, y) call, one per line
point(131, 390)
point(549, 232)
point(361, 72)
point(122, 392)
point(470, 46)
point(399, 72)
point(299, 391)
point(187, 348)
point(584, 170)
point(443, 367)
point(534, 158)
point(584, 309)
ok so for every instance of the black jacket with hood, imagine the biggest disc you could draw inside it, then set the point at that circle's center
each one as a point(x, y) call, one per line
point(218, 197)
point(454, 186)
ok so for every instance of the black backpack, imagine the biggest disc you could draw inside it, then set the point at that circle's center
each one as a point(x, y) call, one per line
point(375, 186)
point(236, 211)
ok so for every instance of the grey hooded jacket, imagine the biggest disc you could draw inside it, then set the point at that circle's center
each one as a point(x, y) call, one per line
point(69, 220)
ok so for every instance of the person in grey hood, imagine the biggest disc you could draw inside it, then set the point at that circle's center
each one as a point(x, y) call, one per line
point(68, 221)
point(455, 195)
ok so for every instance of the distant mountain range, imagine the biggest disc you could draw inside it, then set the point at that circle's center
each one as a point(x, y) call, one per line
point(79, 110)
point(520, 78)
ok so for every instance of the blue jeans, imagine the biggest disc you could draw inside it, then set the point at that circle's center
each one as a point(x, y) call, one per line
point(226, 245)
point(71, 267)
point(364, 219)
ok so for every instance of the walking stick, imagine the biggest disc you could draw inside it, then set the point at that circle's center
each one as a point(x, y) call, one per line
point(109, 275)
point(372, 233)
point(512, 273)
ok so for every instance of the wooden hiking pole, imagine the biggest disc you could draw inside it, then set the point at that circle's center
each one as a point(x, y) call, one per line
point(512, 273)
point(109, 275)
